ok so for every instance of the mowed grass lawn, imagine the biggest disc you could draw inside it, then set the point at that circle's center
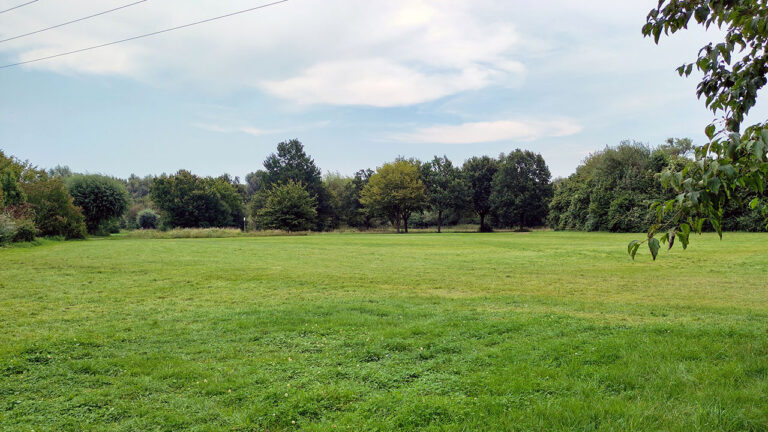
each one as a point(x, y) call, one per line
point(451, 332)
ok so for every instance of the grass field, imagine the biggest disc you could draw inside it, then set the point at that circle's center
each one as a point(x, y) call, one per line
point(452, 332)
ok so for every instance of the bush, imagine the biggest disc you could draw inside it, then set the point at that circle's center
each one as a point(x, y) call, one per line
point(25, 231)
point(288, 207)
point(55, 214)
point(108, 227)
point(147, 219)
point(7, 229)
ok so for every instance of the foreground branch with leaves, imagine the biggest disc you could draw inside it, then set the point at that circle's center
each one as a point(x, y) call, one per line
point(733, 163)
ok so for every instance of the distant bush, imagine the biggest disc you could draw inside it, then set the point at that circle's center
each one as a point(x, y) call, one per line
point(25, 230)
point(111, 226)
point(288, 207)
point(55, 213)
point(7, 229)
point(147, 219)
point(198, 233)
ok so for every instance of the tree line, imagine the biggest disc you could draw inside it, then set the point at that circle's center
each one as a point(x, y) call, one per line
point(615, 190)
point(612, 190)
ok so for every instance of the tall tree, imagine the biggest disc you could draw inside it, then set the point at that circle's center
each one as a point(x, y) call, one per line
point(446, 188)
point(60, 171)
point(733, 72)
point(363, 216)
point(139, 187)
point(341, 198)
point(479, 172)
point(102, 198)
point(521, 189)
point(395, 191)
point(291, 163)
point(254, 182)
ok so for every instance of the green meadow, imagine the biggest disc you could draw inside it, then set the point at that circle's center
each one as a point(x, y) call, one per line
point(376, 332)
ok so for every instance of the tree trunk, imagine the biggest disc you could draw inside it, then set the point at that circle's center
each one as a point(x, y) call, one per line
point(397, 223)
point(405, 222)
point(439, 220)
point(482, 222)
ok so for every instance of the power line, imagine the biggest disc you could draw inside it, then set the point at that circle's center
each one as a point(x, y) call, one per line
point(144, 35)
point(71, 22)
point(16, 7)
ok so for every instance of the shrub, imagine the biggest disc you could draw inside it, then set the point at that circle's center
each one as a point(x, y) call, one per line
point(25, 230)
point(147, 219)
point(288, 207)
point(111, 226)
point(7, 229)
point(55, 214)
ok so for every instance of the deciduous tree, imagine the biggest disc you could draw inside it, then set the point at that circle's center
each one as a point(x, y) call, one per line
point(291, 163)
point(521, 189)
point(189, 201)
point(102, 198)
point(479, 172)
point(446, 187)
point(395, 191)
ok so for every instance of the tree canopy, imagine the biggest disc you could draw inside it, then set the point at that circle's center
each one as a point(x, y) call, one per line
point(292, 164)
point(446, 187)
point(102, 198)
point(189, 201)
point(521, 189)
point(611, 190)
point(288, 207)
point(479, 172)
point(395, 191)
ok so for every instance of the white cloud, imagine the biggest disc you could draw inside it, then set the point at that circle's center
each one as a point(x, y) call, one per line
point(492, 131)
point(338, 52)
point(375, 82)
point(236, 129)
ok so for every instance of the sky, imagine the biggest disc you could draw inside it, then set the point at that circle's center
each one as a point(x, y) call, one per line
point(358, 82)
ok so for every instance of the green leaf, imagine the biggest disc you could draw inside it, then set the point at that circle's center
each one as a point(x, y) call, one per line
point(683, 236)
point(665, 176)
point(671, 239)
point(654, 246)
point(710, 131)
point(701, 14)
point(718, 228)
point(759, 150)
point(632, 248)
point(664, 238)
point(714, 184)
point(754, 203)
point(699, 225)
point(728, 170)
